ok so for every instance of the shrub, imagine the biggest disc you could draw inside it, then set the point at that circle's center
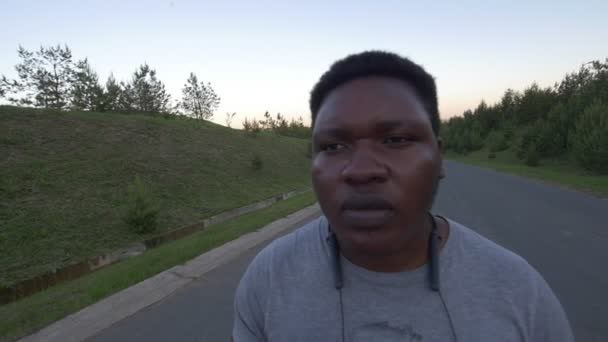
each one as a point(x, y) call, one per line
point(508, 130)
point(590, 138)
point(141, 212)
point(532, 156)
point(464, 142)
point(252, 127)
point(525, 142)
point(497, 141)
point(550, 137)
point(474, 141)
point(492, 155)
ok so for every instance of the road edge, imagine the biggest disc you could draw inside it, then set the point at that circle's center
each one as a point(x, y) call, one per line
point(101, 315)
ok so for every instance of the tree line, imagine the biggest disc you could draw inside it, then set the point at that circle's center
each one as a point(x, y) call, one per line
point(567, 120)
point(278, 125)
point(50, 78)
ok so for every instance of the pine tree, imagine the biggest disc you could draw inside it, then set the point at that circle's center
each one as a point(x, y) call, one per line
point(46, 76)
point(199, 100)
point(9, 87)
point(112, 95)
point(146, 93)
point(87, 94)
point(126, 98)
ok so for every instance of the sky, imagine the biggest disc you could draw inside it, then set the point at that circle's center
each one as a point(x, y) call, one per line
point(267, 55)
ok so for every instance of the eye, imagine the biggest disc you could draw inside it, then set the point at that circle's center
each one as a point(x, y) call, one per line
point(397, 140)
point(332, 147)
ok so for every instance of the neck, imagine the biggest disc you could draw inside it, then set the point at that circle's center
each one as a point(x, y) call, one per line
point(414, 254)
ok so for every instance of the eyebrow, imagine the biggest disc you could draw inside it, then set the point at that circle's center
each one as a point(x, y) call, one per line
point(380, 127)
point(334, 132)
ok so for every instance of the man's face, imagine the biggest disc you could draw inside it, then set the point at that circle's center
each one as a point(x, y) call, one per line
point(376, 164)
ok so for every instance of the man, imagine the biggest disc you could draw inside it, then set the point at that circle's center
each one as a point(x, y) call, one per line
point(378, 266)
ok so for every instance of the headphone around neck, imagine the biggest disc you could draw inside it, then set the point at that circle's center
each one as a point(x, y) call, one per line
point(433, 250)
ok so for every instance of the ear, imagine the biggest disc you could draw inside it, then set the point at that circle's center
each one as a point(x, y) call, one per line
point(440, 148)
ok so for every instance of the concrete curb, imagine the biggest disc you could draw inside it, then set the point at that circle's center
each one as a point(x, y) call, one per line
point(99, 316)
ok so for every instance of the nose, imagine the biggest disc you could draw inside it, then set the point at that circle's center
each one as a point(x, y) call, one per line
point(364, 166)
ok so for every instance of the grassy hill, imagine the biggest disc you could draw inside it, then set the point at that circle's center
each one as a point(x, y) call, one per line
point(64, 176)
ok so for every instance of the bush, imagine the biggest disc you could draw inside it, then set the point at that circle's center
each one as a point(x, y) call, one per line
point(463, 142)
point(496, 141)
point(474, 141)
point(280, 125)
point(590, 138)
point(549, 140)
point(525, 142)
point(256, 163)
point(169, 116)
point(141, 212)
point(508, 130)
point(553, 132)
point(532, 157)
point(492, 155)
point(252, 127)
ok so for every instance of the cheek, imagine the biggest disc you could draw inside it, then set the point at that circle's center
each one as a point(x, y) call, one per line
point(325, 173)
point(423, 165)
point(326, 180)
point(417, 175)
point(421, 160)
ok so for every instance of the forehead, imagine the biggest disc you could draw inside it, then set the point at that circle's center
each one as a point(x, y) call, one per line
point(363, 102)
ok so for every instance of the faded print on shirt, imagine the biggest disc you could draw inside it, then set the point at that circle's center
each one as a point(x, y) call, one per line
point(386, 331)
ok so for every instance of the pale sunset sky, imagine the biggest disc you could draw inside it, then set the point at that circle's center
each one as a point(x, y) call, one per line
point(266, 55)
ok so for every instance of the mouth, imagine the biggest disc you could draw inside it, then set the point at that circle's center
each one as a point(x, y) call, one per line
point(366, 212)
point(367, 218)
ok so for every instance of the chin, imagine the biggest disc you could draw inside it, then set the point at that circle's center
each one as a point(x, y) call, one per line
point(376, 242)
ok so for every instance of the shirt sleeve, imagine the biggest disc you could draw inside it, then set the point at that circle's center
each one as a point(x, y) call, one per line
point(550, 323)
point(249, 303)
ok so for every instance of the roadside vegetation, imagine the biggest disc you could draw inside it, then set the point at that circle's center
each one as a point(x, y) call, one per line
point(88, 167)
point(23, 317)
point(562, 129)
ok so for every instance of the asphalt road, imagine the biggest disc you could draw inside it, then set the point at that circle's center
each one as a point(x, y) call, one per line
point(562, 233)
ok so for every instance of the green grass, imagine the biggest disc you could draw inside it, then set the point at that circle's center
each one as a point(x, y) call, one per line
point(559, 171)
point(64, 175)
point(32, 313)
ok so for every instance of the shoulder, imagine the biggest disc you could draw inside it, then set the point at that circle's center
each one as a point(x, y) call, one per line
point(502, 282)
point(292, 252)
point(491, 274)
point(280, 265)
point(487, 257)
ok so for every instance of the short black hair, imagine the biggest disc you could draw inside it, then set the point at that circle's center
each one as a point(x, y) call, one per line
point(378, 63)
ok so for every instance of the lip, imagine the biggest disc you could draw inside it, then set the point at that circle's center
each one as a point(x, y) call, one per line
point(367, 218)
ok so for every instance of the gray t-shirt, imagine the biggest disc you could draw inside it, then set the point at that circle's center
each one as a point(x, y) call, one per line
point(487, 293)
